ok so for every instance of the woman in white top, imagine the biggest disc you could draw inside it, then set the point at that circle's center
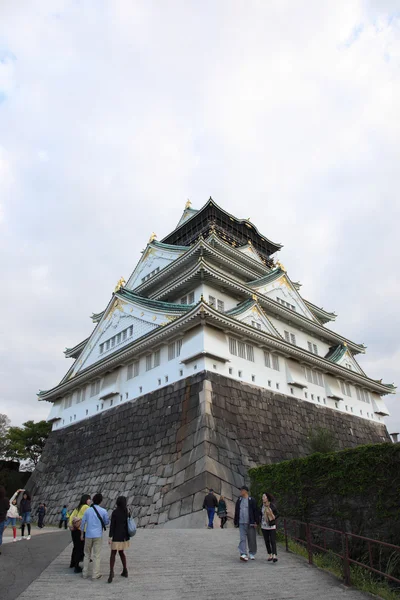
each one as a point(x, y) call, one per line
point(269, 514)
point(13, 515)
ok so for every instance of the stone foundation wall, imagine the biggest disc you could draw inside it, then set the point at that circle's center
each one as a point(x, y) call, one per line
point(165, 449)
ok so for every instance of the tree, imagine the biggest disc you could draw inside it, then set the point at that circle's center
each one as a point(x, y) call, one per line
point(4, 426)
point(27, 442)
point(322, 440)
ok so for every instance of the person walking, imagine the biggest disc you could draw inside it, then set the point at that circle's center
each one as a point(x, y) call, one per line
point(210, 504)
point(25, 509)
point(41, 511)
point(64, 517)
point(4, 506)
point(93, 523)
point(13, 514)
point(222, 511)
point(74, 523)
point(246, 519)
point(119, 536)
point(269, 514)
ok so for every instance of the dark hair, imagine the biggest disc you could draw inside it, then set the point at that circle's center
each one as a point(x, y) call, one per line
point(244, 487)
point(27, 494)
point(97, 498)
point(83, 500)
point(269, 496)
point(65, 506)
point(2, 492)
point(121, 503)
point(210, 490)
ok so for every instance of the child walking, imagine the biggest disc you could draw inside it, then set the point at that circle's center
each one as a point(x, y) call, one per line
point(64, 517)
point(119, 537)
point(222, 511)
point(41, 511)
point(13, 515)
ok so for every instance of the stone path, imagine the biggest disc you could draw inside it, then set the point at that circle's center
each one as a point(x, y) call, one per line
point(187, 565)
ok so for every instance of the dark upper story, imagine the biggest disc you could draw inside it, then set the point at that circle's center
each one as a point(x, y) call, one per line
point(211, 218)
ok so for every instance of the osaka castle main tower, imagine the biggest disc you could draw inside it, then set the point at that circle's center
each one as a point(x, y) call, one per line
point(206, 362)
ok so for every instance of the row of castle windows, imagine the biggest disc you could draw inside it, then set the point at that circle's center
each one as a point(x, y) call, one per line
point(188, 299)
point(154, 272)
point(116, 339)
point(287, 304)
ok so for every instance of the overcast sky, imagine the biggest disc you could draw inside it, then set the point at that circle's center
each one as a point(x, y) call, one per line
point(113, 113)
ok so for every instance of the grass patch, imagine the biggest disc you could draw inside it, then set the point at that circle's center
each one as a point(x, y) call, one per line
point(360, 578)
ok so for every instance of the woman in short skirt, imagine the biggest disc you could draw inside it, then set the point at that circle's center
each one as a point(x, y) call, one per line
point(119, 537)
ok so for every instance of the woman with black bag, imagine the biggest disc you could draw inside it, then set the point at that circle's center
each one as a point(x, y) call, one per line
point(269, 515)
point(74, 525)
point(119, 536)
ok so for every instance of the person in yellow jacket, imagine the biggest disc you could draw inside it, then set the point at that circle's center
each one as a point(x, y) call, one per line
point(74, 525)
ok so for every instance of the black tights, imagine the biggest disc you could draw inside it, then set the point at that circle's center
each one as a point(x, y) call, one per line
point(223, 521)
point(112, 559)
point(270, 540)
point(23, 529)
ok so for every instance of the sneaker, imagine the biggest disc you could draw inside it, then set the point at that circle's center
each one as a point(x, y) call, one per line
point(21, 538)
point(98, 577)
point(252, 557)
point(243, 557)
point(29, 537)
point(14, 539)
point(275, 559)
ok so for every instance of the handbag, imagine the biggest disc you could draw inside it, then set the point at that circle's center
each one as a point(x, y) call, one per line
point(131, 526)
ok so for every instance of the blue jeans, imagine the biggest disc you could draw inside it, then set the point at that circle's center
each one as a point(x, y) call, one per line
point(2, 525)
point(211, 513)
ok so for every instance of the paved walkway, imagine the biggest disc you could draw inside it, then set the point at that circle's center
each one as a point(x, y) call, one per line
point(188, 565)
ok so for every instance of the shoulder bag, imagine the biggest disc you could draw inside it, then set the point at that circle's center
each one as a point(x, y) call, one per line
point(98, 514)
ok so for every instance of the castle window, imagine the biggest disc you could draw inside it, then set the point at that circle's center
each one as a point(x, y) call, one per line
point(253, 377)
point(230, 370)
point(166, 379)
point(159, 381)
point(184, 300)
point(256, 325)
point(107, 344)
point(140, 389)
point(221, 305)
point(277, 386)
point(271, 361)
point(241, 350)
point(345, 387)
point(191, 298)
point(124, 335)
point(232, 346)
point(68, 402)
point(80, 395)
point(87, 412)
point(148, 362)
point(157, 358)
point(118, 338)
point(133, 370)
point(181, 373)
point(269, 383)
point(130, 330)
point(174, 349)
point(211, 300)
point(305, 395)
point(101, 347)
point(249, 352)
point(312, 348)
point(312, 376)
point(290, 337)
point(239, 373)
point(112, 342)
point(362, 395)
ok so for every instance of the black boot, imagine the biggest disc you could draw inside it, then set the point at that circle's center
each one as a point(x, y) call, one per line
point(111, 577)
point(124, 573)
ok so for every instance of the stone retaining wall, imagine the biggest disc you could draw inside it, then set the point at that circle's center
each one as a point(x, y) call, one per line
point(166, 448)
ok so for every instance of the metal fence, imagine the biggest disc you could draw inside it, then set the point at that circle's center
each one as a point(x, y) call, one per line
point(343, 545)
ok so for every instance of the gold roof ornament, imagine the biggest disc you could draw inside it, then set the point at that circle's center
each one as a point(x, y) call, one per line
point(254, 297)
point(121, 283)
point(152, 237)
point(280, 266)
point(188, 204)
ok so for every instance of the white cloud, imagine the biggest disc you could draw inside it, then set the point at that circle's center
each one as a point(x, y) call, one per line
point(112, 116)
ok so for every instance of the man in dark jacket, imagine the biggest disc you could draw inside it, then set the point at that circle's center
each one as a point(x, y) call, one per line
point(210, 504)
point(246, 518)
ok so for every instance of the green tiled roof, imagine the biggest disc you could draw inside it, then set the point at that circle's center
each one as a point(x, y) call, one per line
point(168, 246)
point(153, 304)
point(275, 274)
point(240, 308)
point(336, 353)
